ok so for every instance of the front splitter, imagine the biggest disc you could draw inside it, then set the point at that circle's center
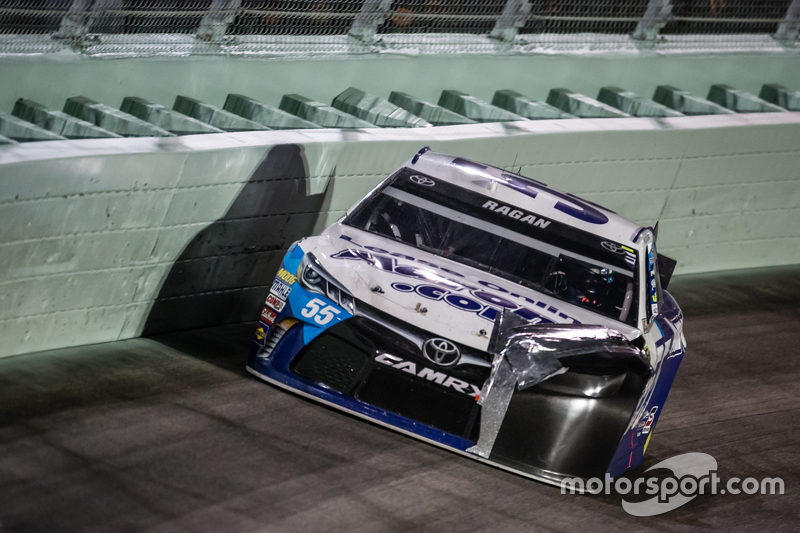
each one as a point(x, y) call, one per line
point(550, 478)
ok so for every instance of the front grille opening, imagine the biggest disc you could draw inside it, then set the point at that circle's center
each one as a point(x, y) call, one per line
point(342, 358)
point(330, 361)
point(454, 413)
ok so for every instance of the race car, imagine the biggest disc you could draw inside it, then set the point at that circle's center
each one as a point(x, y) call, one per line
point(483, 312)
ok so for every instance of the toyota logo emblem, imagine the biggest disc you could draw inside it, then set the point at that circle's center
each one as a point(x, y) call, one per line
point(612, 247)
point(441, 352)
point(422, 180)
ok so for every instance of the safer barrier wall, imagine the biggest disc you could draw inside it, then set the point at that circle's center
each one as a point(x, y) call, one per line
point(51, 79)
point(106, 239)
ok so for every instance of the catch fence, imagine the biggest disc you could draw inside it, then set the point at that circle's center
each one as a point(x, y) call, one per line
point(322, 27)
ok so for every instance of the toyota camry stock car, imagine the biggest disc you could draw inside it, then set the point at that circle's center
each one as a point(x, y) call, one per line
point(483, 312)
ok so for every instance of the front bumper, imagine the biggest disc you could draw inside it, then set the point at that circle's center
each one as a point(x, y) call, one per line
point(362, 366)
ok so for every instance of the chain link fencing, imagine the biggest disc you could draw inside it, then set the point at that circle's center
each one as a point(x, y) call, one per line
point(330, 27)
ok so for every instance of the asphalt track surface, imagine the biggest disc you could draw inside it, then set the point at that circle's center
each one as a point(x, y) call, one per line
point(171, 434)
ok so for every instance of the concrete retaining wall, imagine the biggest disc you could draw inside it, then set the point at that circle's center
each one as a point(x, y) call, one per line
point(106, 239)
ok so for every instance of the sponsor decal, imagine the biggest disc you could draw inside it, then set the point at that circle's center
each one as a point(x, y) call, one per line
point(441, 352)
point(620, 249)
point(280, 289)
point(260, 334)
point(268, 316)
point(422, 180)
point(516, 214)
point(649, 419)
point(286, 276)
point(275, 303)
point(426, 373)
point(651, 262)
point(613, 247)
point(481, 298)
point(475, 302)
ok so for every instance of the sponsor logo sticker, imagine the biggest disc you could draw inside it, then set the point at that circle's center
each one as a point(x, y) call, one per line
point(280, 289)
point(260, 334)
point(268, 316)
point(286, 276)
point(459, 294)
point(613, 247)
point(275, 303)
point(422, 180)
point(439, 378)
point(441, 352)
point(648, 423)
point(652, 270)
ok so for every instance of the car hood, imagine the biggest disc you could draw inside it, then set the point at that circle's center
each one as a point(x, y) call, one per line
point(433, 293)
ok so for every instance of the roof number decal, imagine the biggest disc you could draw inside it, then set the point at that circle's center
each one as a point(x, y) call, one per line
point(567, 204)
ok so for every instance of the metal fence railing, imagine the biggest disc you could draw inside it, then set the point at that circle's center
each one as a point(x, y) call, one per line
point(314, 27)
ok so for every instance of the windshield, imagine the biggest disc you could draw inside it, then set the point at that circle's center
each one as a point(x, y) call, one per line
point(514, 244)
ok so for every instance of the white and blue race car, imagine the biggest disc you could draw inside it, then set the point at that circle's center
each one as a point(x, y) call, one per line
point(483, 312)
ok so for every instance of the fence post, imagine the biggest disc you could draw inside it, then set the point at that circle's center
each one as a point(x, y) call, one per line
point(513, 17)
point(655, 18)
point(75, 23)
point(372, 15)
point(787, 32)
point(83, 15)
point(215, 22)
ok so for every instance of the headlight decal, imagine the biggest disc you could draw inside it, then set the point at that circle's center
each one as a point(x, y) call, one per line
point(313, 278)
point(275, 305)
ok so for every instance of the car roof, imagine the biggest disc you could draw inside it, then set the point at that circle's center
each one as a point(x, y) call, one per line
point(526, 193)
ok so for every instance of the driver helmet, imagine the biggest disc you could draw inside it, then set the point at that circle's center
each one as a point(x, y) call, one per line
point(595, 281)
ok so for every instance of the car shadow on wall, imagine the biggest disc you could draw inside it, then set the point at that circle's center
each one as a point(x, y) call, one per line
point(225, 272)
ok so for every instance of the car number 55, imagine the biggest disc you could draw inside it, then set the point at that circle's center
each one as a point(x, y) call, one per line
point(322, 315)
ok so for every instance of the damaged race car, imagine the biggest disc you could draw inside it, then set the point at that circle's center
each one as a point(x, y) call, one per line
point(483, 312)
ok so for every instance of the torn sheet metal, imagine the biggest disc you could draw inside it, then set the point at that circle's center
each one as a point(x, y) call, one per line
point(528, 354)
